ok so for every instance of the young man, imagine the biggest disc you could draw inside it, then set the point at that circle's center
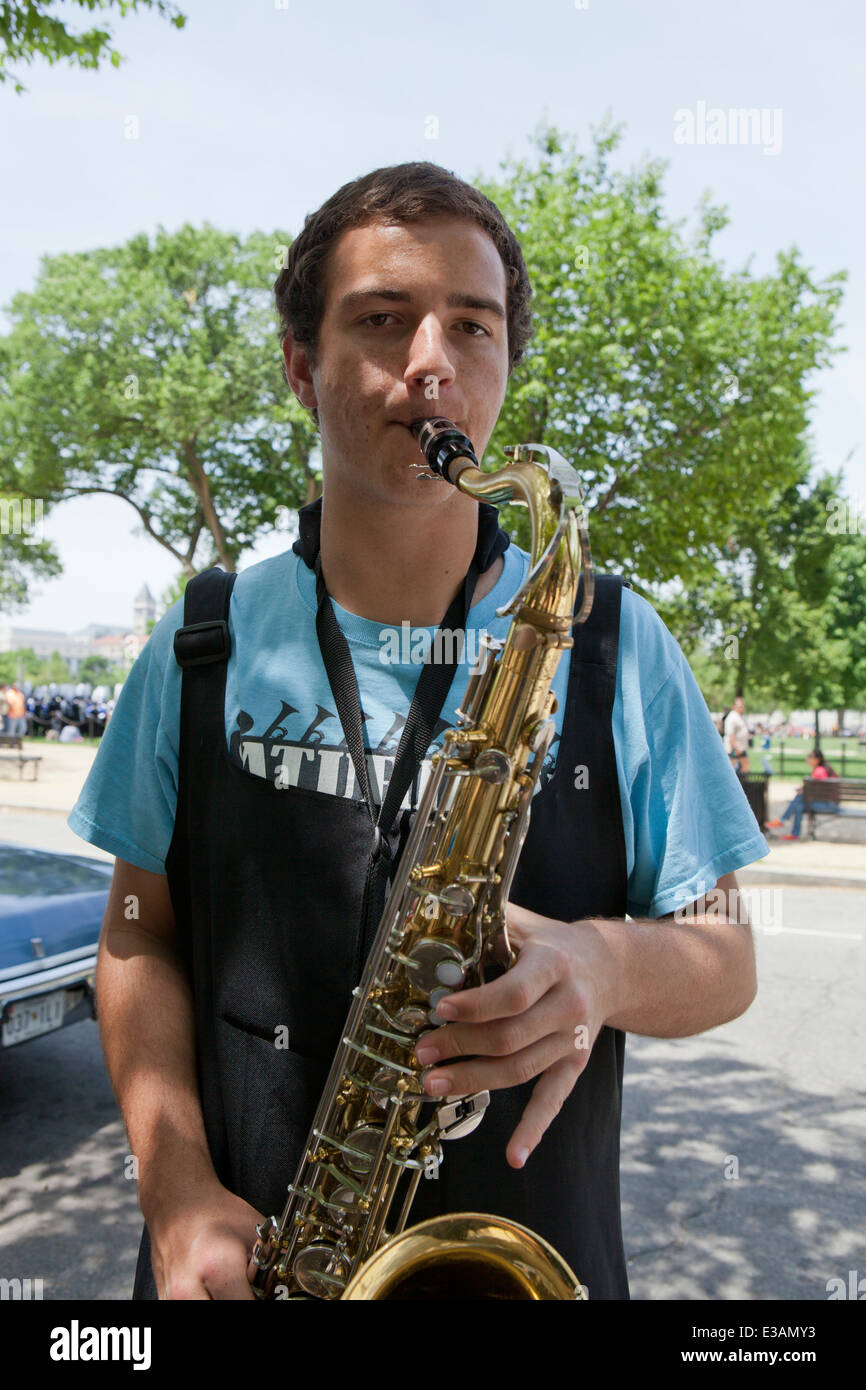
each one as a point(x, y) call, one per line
point(242, 833)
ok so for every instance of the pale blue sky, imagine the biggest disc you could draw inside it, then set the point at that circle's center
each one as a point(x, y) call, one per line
point(257, 111)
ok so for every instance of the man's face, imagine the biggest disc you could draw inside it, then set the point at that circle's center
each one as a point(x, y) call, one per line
point(393, 348)
point(739, 704)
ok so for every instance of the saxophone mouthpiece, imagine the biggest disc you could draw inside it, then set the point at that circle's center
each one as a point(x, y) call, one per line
point(442, 444)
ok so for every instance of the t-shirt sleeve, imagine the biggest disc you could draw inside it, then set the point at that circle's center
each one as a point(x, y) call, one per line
point(128, 802)
point(690, 821)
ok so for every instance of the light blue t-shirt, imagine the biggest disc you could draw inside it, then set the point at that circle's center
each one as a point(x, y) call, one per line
point(685, 819)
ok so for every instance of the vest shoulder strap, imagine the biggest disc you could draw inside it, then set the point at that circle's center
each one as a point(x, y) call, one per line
point(596, 641)
point(204, 636)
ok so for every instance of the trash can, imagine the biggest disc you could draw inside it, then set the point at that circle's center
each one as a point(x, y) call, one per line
point(754, 784)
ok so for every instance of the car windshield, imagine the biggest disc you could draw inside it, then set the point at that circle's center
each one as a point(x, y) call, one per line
point(29, 873)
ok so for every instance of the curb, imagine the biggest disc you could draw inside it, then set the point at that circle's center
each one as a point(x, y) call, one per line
point(800, 878)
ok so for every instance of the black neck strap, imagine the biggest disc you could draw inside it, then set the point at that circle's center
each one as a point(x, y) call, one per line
point(435, 678)
point(433, 685)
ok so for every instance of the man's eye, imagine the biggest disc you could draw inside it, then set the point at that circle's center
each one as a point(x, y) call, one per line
point(467, 323)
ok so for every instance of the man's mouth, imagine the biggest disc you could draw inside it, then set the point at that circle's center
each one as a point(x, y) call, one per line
point(415, 425)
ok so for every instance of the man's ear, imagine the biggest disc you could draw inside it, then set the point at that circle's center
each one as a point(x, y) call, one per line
point(299, 370)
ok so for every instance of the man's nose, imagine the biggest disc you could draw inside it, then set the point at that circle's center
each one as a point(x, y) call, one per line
point(429, 362)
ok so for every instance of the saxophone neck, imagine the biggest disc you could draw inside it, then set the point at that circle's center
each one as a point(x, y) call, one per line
point(559, 547)
point(547, 484)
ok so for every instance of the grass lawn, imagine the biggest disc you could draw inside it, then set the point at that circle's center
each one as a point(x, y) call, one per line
point(847, 756)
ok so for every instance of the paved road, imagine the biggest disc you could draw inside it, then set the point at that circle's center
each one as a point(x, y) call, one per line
point(776, 1096)
point(780, 1091)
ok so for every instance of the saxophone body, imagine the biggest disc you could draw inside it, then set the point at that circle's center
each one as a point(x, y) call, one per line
point(376, 1132)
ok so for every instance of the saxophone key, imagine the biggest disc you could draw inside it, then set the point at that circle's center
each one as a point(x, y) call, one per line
point(461, 1116)
point(365, 1145)
point(427, 955)
point(320, 1271)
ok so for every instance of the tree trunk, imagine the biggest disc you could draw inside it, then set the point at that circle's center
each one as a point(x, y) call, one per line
point(200, 483)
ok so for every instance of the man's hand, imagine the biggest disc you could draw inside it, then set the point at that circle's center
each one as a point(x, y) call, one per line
point(657, 977)
point(200, 1249)
point(542, 1016)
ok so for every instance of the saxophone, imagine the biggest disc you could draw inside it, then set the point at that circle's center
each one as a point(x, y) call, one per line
point(443, 927)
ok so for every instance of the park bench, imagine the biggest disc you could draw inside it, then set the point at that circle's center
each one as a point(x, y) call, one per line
point(836, 790)
point(17, 754)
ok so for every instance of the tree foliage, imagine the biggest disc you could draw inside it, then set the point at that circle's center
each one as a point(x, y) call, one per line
point(31, 28)
point(675, 387)
point(761, 625)
point(679, 389)
point(152, 371)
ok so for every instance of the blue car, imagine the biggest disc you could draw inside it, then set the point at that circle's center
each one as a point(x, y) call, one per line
point(51, 910)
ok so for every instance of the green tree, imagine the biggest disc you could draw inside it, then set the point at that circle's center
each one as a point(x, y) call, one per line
point(30, 28)
point(95, 669)
point(24, 556)
point(50, 668)
point(758, 625)
point(151, 372)
point(25, 657)
point(845, 614)
point(24, 553)
point(677, 388)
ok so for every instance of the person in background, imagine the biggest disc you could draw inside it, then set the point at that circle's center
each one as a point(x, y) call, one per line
point(737, 736)
point(765, 751)
point(820, 771)
point(4, 710)
point(17, 721)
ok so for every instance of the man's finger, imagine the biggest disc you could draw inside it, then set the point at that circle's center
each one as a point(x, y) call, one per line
point(497, 1038)
point(548, 1095)
point(520, 922)
point(494, 1074)
point(538, 969)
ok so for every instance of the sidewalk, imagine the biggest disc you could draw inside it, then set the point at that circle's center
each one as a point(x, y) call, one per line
point(837, 859)
point(828, 861)
point(61, 774)
point(818, 863)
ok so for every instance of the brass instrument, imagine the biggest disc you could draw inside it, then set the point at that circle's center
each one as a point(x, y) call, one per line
point(443, 927)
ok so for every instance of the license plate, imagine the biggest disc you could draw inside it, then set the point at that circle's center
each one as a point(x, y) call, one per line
point(30, 1017)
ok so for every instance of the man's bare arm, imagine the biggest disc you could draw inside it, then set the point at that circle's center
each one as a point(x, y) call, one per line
point(688, 975)
point(200, 1233)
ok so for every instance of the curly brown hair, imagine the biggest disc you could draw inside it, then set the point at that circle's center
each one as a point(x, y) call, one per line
point(394, 194)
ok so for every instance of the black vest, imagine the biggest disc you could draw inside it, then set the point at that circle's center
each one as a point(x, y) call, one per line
point(266, 886)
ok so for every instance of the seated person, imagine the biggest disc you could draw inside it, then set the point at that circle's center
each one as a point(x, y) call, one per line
point(797, 805)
